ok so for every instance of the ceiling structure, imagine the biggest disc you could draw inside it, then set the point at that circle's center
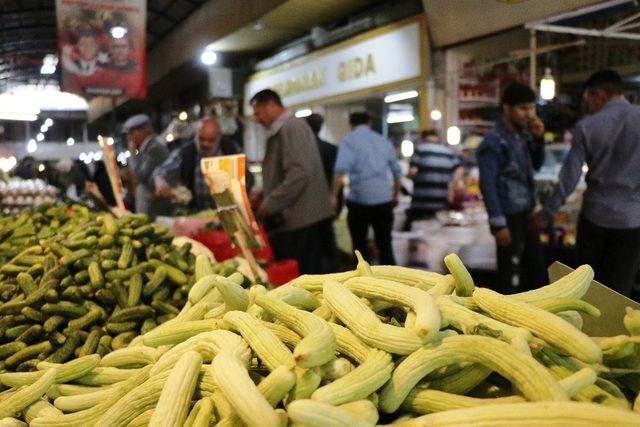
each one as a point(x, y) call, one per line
point(452, 22)
point(28, 33)
point(177, 30)
point(290, 20)
point(28, 28)
point(230, 26)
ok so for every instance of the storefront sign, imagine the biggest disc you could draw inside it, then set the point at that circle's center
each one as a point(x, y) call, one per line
point(381, 59)
point(101, 44)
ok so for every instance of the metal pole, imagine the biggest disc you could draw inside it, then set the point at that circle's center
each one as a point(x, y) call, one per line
point(532, 59)
point(563, 29)
point(385, 125)
point(85, 132)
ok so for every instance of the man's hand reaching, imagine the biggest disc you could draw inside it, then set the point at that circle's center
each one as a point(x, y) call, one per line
point(162, 187)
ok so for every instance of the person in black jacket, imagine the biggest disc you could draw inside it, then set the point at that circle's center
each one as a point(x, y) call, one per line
point(328, 154)
point(183, 164)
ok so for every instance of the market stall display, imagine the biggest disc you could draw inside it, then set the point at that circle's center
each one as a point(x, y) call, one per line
point(18, 194)
point(378, 344)
point(76, 283)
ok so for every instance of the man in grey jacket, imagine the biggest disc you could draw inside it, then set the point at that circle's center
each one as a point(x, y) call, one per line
point(296, 197)
point(146, 155)
point(608, 141)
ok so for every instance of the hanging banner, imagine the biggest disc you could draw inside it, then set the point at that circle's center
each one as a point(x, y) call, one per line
point(101, 44)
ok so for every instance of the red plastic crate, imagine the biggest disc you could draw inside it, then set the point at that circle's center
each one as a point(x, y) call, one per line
point(281, 272)
point(220, 244)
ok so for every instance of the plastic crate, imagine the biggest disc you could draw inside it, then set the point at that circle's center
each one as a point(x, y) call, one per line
point(281, 272)
point(220, 244)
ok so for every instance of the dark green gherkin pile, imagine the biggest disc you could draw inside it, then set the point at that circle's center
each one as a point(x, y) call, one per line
point(75, 282)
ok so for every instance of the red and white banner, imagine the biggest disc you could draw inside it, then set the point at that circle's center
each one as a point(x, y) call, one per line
point(101, 44)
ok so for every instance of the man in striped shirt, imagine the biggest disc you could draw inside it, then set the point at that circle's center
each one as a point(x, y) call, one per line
point(433, 168)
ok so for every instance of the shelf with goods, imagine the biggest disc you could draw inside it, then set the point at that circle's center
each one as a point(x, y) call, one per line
point(473, 92)
point(183, 334)
point(478, 101)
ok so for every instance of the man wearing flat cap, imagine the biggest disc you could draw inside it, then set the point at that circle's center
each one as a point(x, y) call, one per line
point(147, 153)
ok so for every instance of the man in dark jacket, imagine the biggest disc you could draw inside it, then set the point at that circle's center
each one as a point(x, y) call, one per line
point(328, 154)
point(507, 158)
point(147, 155)
point(183, 165)
point(296, 198)
point(328, 151)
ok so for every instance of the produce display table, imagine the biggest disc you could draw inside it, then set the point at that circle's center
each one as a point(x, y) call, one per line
point(430, 240)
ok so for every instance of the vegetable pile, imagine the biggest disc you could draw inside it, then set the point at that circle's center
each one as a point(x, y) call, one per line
point(76, 283)
point(379, 344)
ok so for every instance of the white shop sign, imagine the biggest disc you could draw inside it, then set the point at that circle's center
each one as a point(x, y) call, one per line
point(390, 57)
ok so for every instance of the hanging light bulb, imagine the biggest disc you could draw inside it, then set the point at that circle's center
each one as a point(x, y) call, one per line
point(547, 86)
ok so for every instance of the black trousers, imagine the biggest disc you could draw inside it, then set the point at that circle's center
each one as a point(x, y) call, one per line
point(302, 244)
point(521, 265)
point(380, 217)
point(415, 214)
point(614, 254)
point(329, 247)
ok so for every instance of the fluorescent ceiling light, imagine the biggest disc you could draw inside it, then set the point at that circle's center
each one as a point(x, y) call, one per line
point(22, 117)
point(17, 107)
point(32, 146)
point(35, 98)
point(47, 69)
point(49, 63)
point(305, 112)
point(399, 117)
point(400, 96)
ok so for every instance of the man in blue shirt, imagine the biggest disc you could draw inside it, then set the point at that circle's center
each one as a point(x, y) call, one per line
point(370, 162)
point(507, 158)
point(608, 140)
